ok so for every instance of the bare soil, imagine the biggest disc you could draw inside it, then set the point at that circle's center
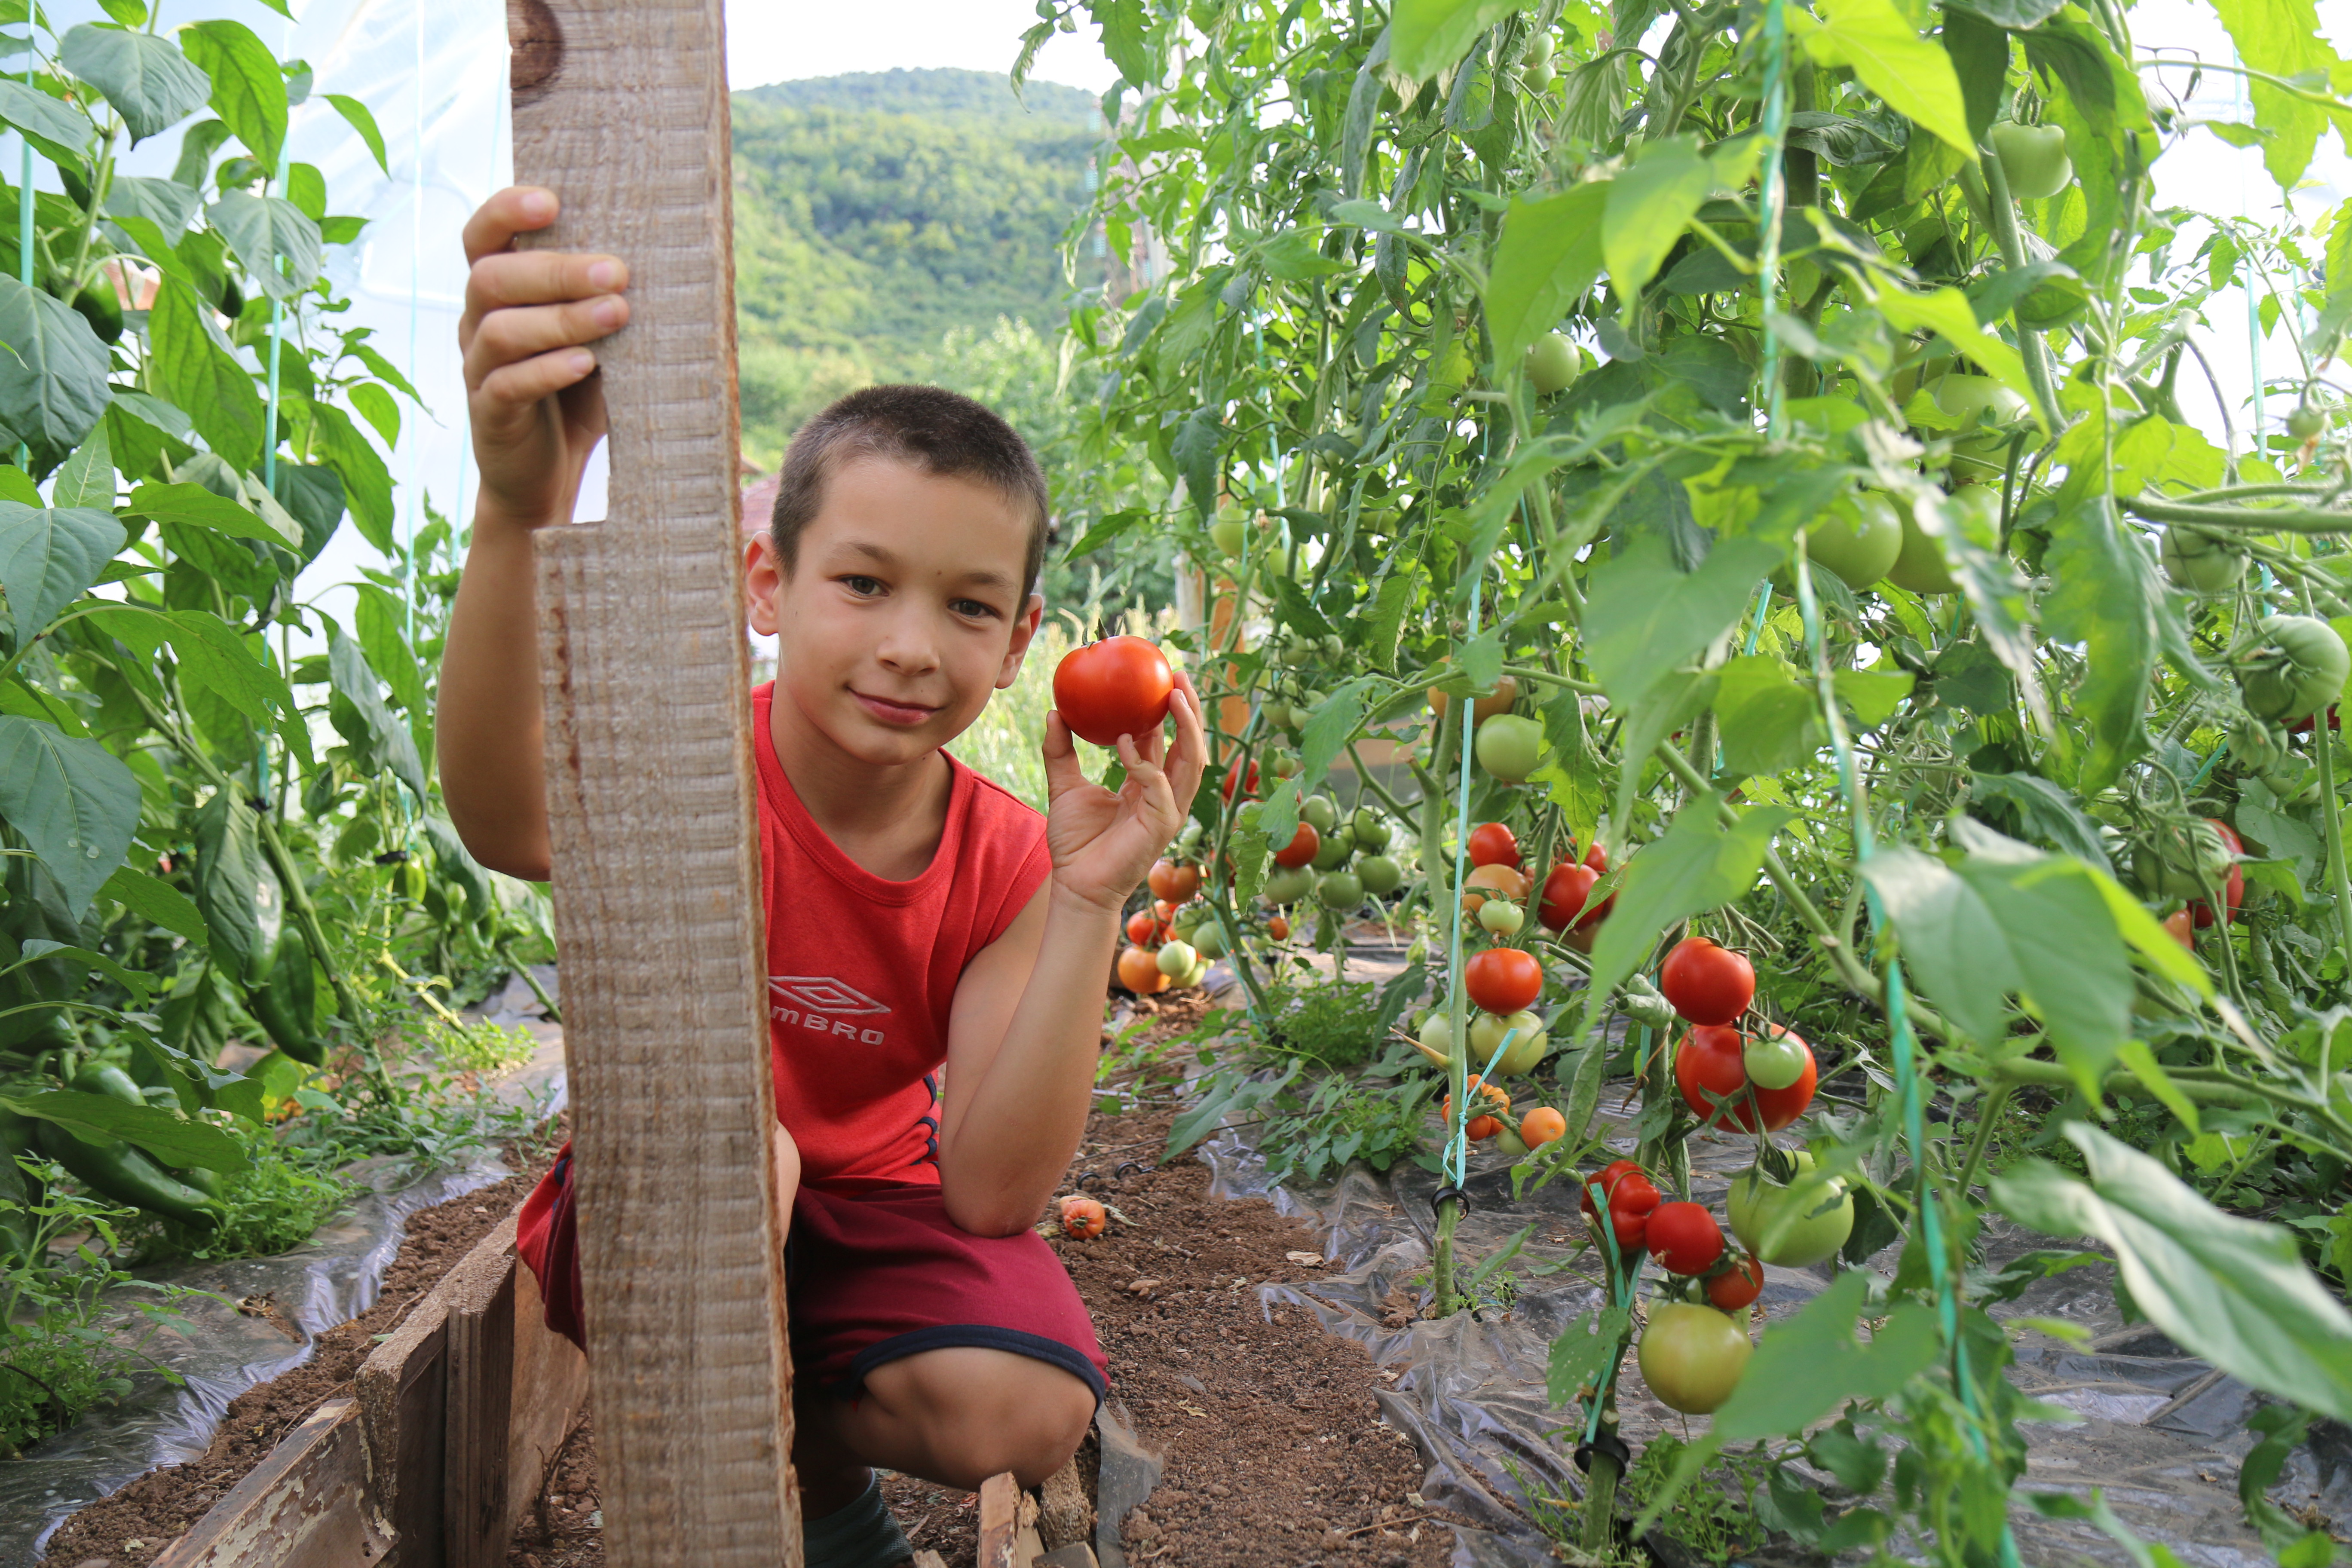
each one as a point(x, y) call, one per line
point(136, 1523)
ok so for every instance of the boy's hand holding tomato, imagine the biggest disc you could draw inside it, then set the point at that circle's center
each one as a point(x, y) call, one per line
point(1103, 842)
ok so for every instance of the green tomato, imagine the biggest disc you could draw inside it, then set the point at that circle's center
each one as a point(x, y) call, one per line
point(1540, 48)
point(1501, 917)
point(1334, 851)
point(1197, 974)
point(1860, 541)
point(1381, 875)
point(1283, 765)
point(2201, 561)
point(1510, 746)
point(1528, 1042)
point(1510, 1144)
point(2182, 861)
point(2033, 158)
point(1188, 919)
point(1340, 890)
point(1209, 940)
point(1919, 565)
point(2297, 671)
point(1552, 363)
point(1692, 1356)
point(1371, 829)
point(2303, 424)
point(1176, 958)
point(1230, 535)
point(1793, 1226)
point(1984, 408)
point(1321, 810)
point(1289, 884)
point(1773, 1061)
point(1437, 1034)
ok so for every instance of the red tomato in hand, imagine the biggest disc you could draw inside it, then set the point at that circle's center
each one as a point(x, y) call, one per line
point(2233, 887)
point(1117, 687)
point(1738, 1288)
point(1684, 1239)
point(1706, 983)
point(1492, 844)
point(1304, 846)
point(1503, 980)
point(1708, 1061)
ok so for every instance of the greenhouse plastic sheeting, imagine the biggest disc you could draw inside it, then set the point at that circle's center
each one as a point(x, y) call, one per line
point(2159, 1432)
point(334, 1277)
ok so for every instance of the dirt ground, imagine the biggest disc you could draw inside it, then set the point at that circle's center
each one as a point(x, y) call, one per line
point(137, 1523)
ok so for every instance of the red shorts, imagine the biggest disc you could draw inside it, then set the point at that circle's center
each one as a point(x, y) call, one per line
point(875, 1270)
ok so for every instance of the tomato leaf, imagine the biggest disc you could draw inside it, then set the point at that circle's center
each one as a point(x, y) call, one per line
point(1644, 617)
point(1585, 1354)
point(1888, 56)
point(1550, 254)
point(1429, 38)
point(1647, 208)
point(2234, 1291)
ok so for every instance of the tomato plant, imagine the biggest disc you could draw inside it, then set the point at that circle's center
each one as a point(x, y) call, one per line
point(1944, 797)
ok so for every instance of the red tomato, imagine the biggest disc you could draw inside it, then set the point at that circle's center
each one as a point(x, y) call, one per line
point(1503, 979)
point(1278, 928)
point(1598, 858)
point(1492, 844)
point(1563, 895)
point(1175, 883)
point(1233, 773)
point(1082, 1218)
point(1481, 1128)
point(1706, 983)
point(1117, 687)
point(2183, 929)
point(1304, 845)
point(1738, 1288)
point(1684, 1239)
point(1606, 1179)
point(1708, 1062)
point(1140, 927)
point(2233, 889)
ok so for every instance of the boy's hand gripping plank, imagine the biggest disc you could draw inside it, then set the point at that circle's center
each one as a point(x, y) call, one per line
point(622, 105)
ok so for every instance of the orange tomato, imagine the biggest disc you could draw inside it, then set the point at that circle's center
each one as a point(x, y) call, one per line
point(1082, 1218)
point(1541, 1126)
point(1139, 971)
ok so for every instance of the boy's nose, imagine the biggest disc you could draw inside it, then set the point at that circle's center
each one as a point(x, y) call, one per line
point(906, 648)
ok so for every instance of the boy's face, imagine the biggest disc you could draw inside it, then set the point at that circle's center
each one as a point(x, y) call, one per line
point(906, 609)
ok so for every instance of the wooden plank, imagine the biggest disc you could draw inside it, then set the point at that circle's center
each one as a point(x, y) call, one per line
point(551, 1389)
point(927, 1558)
point(1001, 1530)
point(620, 108)
point(476, 1487)
point(402, 1390)
point(1063, 1516)
point(302, 1506)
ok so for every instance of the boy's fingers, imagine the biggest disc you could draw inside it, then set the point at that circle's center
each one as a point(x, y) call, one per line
point(524, 383)
point(1188, 757)
point(1062, 770)
point(518, 209)
point(506, 337)
point(537, 277)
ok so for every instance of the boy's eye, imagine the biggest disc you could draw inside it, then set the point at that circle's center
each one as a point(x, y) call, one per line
point(861, 586)
point(972, 608)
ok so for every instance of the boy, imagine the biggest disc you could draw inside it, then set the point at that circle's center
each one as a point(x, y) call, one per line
point(916, 913)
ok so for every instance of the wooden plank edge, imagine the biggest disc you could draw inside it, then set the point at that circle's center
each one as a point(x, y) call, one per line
point(299, 1508)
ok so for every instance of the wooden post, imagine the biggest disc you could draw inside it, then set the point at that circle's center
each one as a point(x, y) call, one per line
point(620, 107)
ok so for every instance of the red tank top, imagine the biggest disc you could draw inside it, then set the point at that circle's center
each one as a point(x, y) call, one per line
point(862, 972)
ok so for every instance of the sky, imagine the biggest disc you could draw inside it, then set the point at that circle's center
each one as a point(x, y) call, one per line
point(766, 42)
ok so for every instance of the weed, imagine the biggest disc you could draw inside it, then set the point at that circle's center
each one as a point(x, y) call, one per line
point(283, 1195)
point(480, 1047)
point(1334, 1025)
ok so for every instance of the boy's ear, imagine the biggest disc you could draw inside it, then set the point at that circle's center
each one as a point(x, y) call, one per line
point(763, 582)
point(1024, 631)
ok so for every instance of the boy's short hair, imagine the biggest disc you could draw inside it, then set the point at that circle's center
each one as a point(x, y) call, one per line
point(943, 433)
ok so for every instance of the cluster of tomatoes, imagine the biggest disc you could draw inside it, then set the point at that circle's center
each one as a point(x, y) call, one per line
point(1693, 1351)
point(1759, 1080)
point(1517, 1135)
point(1497, 889)
point(1338, 861)
point(1172, 940)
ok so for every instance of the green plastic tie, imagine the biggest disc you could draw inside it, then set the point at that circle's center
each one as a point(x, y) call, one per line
point(1457, 1151)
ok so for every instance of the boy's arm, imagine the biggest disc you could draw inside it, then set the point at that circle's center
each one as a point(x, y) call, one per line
point(537, 413)
point(1026, 1026)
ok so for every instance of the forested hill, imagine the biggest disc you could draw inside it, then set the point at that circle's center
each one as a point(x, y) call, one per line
point(876, 213)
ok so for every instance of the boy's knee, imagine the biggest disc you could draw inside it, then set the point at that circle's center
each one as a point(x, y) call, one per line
point(986, 1412)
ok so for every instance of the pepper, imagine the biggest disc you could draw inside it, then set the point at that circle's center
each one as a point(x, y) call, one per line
point(284, 1002)
point(122, 1171)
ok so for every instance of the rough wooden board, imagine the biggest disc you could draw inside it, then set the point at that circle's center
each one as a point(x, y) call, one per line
point(402, 1391)
point(303, 1507)
point(477, 1485)
point(927, 1558)
point(999, 1525)
point(620, 108)
point(1077, 1555)
point(550, 1388)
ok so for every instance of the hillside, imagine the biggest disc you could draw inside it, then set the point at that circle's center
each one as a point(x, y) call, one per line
point(876, 213)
